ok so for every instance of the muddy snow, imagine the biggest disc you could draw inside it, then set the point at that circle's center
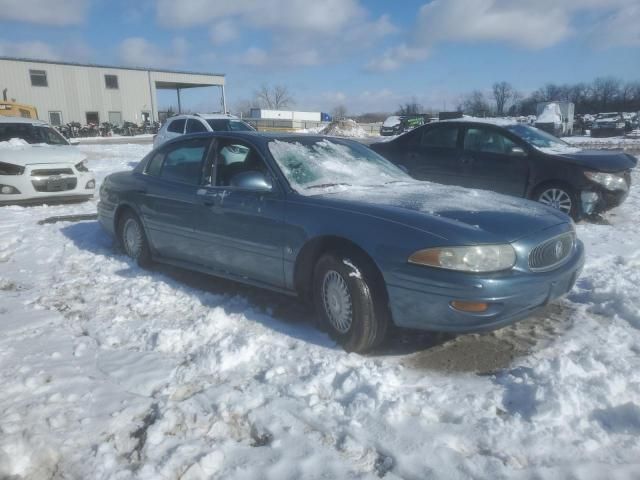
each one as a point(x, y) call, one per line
point(109, 371)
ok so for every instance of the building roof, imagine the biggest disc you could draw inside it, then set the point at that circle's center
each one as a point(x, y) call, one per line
point(95, 65)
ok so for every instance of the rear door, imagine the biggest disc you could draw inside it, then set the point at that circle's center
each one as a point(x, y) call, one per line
point(195, 126)
point(174, 129)
point(432, 153)
point(495, 161)
point(169, 201)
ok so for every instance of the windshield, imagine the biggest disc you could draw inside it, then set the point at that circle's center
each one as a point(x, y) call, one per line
point(608, 116)
point(229, 125)
point(314, 164)
point(31, 133)
point(391, 122)
point(536, 137)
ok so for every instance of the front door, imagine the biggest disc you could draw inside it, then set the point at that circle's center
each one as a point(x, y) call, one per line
point(169, 202)
point(496, 162)
point(240, 228)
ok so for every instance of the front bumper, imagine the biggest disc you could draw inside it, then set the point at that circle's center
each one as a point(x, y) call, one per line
point(423, 300)
point(607, 132)
point(46, 184)
point(597, 199)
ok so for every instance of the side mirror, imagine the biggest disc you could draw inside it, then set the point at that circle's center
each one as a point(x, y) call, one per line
point(251, 180)
point(517, 152)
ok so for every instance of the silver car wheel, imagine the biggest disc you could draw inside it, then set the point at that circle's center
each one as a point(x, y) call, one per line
point(337, 301)
point(556, 198)
point(132, 238)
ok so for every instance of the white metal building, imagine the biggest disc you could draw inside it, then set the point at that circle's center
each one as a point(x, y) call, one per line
point(71, 92)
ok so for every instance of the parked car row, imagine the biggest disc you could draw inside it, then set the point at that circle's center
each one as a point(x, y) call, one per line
point(370, 241)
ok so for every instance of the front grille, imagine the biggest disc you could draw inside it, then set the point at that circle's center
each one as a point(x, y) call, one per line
point(55, 184)
point(51, 171)
point(552, 252)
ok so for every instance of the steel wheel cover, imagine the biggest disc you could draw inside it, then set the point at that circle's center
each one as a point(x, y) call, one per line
point(337, 301)
point(556, 198)
point(132, 237)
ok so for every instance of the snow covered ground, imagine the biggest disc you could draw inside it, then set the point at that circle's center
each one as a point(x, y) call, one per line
point(109, 371)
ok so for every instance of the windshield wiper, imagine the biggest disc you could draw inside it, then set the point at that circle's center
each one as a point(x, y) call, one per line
point(323, 185)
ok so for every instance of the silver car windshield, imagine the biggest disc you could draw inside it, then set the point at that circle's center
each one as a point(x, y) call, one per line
point(313, 165)
point(536, 137)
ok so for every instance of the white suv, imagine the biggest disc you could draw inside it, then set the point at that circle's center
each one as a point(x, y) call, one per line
point(37, 164)
point(197, 123)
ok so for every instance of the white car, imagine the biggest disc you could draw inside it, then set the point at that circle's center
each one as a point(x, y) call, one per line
point(198, 123)
point(37, 164)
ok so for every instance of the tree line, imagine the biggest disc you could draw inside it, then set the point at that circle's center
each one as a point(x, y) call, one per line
point(604, 94)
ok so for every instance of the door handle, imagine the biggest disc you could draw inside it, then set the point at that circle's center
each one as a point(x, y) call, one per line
point(466, 160)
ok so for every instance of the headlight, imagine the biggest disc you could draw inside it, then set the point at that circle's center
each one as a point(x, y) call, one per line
point(610, 181)
point(478, 258)
point(82, 167)
point(10, 169)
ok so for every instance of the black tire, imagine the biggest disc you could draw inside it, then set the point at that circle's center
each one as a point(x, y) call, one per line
point(139, 251)
point(356, 278)
point(560, 193)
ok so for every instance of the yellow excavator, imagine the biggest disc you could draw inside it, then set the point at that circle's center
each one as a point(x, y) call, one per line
point(9, 108)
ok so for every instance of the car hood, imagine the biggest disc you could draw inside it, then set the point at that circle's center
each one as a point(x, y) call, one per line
point(459, 214)
point(601, 160)
point(36, 154)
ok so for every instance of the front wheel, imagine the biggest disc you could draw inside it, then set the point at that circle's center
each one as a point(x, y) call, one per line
point(133, 239)
point(560, 197)
point(350, 302)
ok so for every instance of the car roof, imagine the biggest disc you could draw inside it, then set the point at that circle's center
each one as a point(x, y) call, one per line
point(263, 137)
point(205, 116)
point(33, 121)
point(499, 122)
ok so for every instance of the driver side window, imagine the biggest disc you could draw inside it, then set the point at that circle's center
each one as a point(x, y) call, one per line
point(487, 140)
point(234, 158)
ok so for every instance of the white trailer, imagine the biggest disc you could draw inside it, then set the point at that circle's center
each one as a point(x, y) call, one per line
point(264, 114)
point(555, 117)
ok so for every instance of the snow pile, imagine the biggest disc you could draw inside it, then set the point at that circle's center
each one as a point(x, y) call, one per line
point(344, 128)
point(110, 371)
point(14, 144)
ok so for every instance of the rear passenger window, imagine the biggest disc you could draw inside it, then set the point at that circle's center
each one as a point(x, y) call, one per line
point(177, 126)
point(195, 126)
point(443, 137)
point(184, 163)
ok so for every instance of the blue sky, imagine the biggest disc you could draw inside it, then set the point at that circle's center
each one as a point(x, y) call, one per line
point(367, 55)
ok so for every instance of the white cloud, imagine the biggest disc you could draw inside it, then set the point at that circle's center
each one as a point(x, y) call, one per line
point(222, 32)
point(138, 51)
point(527, 24)
point(36, 50)
point(395, 57)
point(620, 28)
point(254, 56)
point(302, 33)
point(44, 12)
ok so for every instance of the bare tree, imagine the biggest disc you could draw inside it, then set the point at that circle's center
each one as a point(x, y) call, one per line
point(476, 104)
point(339, 112)
point(605, 91)
point(275, 97)
point(502, 93)
point(410, 108)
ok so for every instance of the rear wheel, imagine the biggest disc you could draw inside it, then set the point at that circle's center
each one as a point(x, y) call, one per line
point(558, 196)
point(350, 303)
point(133, 239)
